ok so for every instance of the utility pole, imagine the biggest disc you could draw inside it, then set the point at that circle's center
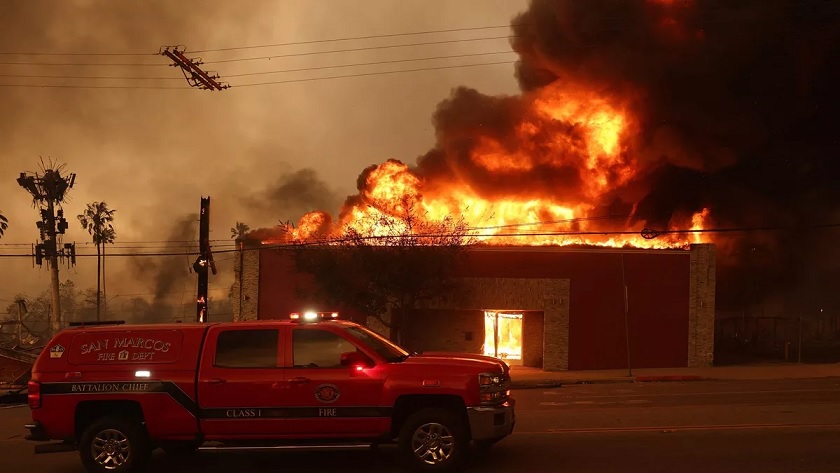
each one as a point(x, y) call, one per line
point(204, 262)
point(48, 190)
point(195, 76)
point(21, 310)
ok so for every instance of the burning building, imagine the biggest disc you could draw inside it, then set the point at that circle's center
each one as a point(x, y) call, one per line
point(599, 201)
point(552, 307)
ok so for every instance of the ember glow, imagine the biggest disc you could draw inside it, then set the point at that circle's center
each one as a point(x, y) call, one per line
point(545, 180)
point(503, 336)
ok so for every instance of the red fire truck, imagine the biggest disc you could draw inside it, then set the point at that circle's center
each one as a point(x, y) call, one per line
point(116, 393)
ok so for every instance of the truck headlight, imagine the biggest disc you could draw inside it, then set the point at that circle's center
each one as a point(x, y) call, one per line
point(488, 379)
point(494, 388)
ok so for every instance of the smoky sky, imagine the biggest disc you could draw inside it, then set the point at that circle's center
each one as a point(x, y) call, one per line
point(152, 153)
point(292, 194)
point(736, 104)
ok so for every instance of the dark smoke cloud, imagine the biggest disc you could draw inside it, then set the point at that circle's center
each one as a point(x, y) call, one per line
point(165, 273)
point(292, 194)
point(737, 105)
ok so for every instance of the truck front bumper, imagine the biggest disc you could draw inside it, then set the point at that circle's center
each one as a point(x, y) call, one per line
point(492, 422)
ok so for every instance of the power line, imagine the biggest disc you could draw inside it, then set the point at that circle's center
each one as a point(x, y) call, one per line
point(134, 242)
point(374, 63)
point(489, 235)
point(350, 38)
point(346, 50)
point(41, 76)
point(288, 81)
point(302, 69)
point(259, 46)
point(64, 86)
point(83, 64)
point(311, 53)
point(549, 234)
point(40, 53)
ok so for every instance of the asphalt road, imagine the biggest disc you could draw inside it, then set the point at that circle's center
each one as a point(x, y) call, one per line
point(757, 426)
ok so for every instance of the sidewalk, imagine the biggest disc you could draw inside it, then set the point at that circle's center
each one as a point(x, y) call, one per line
point(526, 378)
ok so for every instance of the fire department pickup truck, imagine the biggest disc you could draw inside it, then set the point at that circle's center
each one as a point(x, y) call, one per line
point(115, 393)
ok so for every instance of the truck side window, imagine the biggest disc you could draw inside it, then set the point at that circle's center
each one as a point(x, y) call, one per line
point(247, 349)
point(318, 348)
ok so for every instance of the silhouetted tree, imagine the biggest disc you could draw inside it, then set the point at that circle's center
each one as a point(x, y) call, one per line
point(97, 220)
point(385, 265)
point(239, 231)
point(36, 319)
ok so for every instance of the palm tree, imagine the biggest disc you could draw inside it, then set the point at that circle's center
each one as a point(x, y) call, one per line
point(97, 220)
point(4, 224)
point(239, 230)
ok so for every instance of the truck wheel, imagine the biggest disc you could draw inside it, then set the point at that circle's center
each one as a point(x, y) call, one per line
point(433, 440)
point(114, 445)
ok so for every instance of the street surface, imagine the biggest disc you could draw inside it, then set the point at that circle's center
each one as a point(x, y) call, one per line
point(786, 426)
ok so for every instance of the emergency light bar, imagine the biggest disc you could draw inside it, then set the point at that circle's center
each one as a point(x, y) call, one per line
point(311, 316)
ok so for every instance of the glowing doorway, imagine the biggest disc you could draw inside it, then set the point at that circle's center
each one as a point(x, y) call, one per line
point(503, 336)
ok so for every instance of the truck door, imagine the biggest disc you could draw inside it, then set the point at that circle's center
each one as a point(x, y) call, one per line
point(329, 398)
point(240, 381)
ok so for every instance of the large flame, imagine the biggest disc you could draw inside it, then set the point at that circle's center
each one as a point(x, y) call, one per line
point(564, 130)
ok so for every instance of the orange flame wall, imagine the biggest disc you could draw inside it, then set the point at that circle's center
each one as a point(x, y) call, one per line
point(573, 159)
point(546, 176)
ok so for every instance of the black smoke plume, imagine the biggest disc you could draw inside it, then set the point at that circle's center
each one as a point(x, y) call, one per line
point(737, 105)
point(165, 273)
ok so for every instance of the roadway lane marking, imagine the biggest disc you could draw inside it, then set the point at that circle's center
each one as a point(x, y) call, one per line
point(669, 429)
point(15, 406)
point(715, 393)
point(590, 407)
point(591, 403)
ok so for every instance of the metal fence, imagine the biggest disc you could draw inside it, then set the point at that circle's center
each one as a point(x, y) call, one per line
point(790, 338)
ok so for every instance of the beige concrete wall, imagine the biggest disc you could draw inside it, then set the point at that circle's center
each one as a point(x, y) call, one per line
point(533, 329)
point(247, 277)
point(701, 311)
point(551, 296)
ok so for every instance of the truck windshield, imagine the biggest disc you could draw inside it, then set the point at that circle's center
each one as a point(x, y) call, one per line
point(381, 345)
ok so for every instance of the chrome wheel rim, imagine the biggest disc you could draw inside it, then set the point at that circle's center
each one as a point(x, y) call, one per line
point(433, 443)
point(110, 449)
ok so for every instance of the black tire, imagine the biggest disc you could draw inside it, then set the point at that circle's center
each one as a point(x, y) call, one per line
point(110, 434)
point(442, 433)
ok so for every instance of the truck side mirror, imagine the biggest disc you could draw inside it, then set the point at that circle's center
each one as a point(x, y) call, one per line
point(356, 360)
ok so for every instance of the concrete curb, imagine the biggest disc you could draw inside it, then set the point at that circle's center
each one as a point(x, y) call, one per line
point(550, 383)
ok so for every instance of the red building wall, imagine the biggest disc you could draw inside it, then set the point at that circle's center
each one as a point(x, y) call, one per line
point(657, 288)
